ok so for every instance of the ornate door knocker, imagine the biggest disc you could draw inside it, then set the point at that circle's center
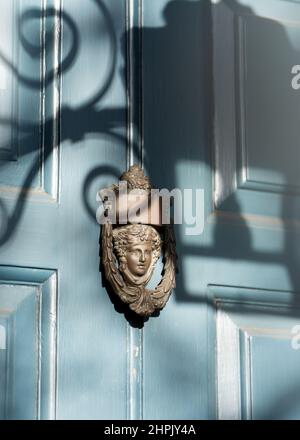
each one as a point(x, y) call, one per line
point(133, 239)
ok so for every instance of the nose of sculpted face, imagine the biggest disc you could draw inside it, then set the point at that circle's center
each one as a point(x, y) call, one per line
point(142, 256)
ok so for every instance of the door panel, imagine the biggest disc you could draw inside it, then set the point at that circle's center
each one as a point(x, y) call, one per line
point(28, 303)
point(243, 153)
point(257, 134)
point(28, 152)
point(255, 47)
point(255, 361)
point(67, 356)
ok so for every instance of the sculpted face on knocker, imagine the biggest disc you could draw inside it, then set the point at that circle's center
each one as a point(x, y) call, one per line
point(138, 248)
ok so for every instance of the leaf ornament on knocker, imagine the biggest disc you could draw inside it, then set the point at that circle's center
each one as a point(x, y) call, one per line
point(133, 239)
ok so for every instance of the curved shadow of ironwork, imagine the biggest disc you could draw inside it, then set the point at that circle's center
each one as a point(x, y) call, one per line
point(96, 121)
point(34, 51)
point(96, 172)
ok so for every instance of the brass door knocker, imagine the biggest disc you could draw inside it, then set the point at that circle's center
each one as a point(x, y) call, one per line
point(131, 245)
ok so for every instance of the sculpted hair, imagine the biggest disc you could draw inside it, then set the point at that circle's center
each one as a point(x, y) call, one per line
point(134, 234)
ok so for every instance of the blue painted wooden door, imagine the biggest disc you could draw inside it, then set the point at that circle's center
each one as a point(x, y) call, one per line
point(200, 93)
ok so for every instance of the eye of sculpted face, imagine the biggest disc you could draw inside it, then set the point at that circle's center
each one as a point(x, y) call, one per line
point(139, 258)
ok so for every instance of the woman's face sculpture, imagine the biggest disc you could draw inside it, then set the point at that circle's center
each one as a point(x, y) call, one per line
point(139, 258)
point(138, 249)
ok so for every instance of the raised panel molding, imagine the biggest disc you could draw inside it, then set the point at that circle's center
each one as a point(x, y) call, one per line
point(8, 150)
point(267, 180)
point(247, 323)
point(29, 133)
point(240, 186)
point(28, 321)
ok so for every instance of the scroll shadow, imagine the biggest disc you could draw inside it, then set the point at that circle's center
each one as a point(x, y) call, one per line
point(84, 120)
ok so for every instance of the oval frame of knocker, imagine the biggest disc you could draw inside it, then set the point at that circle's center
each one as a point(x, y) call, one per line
point(141, 300)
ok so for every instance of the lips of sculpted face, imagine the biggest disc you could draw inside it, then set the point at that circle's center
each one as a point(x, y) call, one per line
point(139, 258)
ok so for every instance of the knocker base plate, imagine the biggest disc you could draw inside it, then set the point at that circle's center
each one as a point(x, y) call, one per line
point(130, 253)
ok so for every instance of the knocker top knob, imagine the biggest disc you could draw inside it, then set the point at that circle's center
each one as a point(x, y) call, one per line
point(132, 200)
point(136, 178)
